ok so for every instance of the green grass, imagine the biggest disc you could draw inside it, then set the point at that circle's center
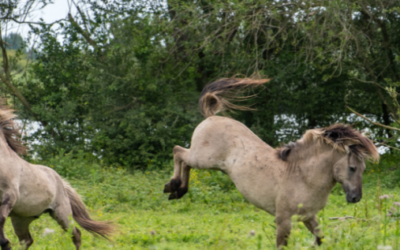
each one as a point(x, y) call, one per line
point(213, 215)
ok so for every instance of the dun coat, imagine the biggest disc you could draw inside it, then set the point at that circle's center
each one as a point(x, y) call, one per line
point(295, 179)
point(27, 191)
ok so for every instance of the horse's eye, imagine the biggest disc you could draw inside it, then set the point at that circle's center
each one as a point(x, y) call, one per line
point(352, 169)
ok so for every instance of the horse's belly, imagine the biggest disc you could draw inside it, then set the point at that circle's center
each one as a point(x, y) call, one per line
point(260, 193)
point(34, 205)
point(34, 199)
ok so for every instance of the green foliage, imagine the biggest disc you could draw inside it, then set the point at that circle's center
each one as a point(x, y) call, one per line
point(123, 82)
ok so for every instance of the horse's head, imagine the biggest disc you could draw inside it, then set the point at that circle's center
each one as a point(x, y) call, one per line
point(348, 172)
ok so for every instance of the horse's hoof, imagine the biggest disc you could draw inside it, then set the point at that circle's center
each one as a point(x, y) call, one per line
point(167, 188)
point(178, 194)
point(172, 186)
point(173, 196)
point(181, 192)
point(5, 244)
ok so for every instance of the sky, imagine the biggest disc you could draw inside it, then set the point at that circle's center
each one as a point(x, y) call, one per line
point(50, 13)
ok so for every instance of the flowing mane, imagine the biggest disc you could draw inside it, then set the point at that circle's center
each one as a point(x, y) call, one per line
point(9, 129)
point(340, 136)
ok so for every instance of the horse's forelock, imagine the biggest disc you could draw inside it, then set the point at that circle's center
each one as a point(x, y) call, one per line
point(345, 137)
point(340, 136)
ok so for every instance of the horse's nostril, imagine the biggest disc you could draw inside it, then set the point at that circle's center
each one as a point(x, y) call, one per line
point(355, 199)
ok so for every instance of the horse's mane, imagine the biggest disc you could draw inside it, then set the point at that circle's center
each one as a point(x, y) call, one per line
point(9, 129)
point(340, 136)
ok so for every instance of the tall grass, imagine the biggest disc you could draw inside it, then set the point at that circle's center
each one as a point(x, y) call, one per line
point(213, 215)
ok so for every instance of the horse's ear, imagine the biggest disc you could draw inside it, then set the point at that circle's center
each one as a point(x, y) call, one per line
point(332, 135)
point(283, 154)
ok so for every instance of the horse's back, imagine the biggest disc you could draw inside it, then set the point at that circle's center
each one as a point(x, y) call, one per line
point(223, 126)
point(225, 135)
point(222, 141)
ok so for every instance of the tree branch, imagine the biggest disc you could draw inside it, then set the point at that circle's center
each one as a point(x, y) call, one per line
point(38, 23)
point(370, 121)
point(81, 31)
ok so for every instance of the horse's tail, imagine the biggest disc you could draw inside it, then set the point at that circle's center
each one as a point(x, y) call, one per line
point(217, 96)
point(81, 215)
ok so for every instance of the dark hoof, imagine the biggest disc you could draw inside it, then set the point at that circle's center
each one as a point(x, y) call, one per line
point(5, 245)
point(178, 194)
point(173, 196)
point(167, 188)
point(319, 241)
point(172, 186)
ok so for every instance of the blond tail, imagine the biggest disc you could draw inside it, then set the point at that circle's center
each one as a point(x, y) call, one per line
point(80, 214)
point(217, 96)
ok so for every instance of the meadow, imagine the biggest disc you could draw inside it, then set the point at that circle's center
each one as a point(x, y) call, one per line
point(213, 215)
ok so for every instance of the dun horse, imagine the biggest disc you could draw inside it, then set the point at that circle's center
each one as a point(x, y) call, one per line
point(295, 179)
point(27, 191)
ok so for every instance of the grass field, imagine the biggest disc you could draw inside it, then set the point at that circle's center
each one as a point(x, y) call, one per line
point(213, 215)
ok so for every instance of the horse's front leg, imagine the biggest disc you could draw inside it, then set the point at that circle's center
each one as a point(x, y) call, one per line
point(179, 183)
point(312, 226)
point(283, 227)
point(7, 204)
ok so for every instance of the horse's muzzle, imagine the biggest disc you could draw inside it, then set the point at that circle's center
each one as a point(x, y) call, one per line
point(352, 197)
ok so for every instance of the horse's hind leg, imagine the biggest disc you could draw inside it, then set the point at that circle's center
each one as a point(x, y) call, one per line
point(21, 229)
point(312, 226)
point(178, 184)
point(62, 215)
point(184, 187)
point(7, 204)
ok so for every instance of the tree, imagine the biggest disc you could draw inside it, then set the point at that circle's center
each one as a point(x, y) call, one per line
point(122, 79)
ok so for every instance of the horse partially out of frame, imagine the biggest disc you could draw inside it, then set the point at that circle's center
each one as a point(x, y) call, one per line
point(27, 191)
point(295, 179)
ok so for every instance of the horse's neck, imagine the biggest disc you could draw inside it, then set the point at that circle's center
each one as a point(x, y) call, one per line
point(316, 162)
